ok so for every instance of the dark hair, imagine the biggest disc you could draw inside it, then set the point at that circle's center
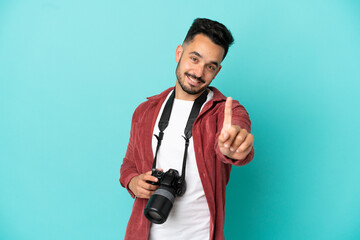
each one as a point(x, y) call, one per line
point(216, 31)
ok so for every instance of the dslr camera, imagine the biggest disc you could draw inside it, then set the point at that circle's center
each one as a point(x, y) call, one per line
point(171, 184)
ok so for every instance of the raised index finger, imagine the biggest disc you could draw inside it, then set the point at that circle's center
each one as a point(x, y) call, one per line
point(228, 113)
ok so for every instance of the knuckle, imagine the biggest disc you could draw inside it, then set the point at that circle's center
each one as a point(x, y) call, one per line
point(244, 146)
point(240, 138)
point(244, 132)
point(234, 128)
point(251, 137)
point(232, 131)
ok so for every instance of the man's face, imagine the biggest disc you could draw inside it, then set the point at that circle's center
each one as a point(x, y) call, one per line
point(198, 64)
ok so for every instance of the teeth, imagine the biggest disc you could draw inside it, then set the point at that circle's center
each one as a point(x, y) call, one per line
point(193, 80)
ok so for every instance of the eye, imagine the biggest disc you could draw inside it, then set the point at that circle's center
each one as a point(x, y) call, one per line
point(211, 68)
point(194, 59)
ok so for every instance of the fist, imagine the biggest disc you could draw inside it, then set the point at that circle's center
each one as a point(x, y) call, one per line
point(234, 142)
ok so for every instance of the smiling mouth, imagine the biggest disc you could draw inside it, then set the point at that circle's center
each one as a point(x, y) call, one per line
point(194, 80)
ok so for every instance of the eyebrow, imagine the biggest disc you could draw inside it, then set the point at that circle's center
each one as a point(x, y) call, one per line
point(199, 55)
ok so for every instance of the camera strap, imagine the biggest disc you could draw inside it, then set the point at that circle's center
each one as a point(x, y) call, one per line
point(164, 122)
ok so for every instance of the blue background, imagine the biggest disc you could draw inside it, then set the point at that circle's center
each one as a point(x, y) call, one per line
point(72, 73)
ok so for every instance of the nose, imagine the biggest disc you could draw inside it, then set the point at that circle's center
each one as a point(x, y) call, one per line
point(199, 70)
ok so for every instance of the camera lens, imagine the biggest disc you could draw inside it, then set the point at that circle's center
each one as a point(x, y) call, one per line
point(159, 205)
point(154, 215)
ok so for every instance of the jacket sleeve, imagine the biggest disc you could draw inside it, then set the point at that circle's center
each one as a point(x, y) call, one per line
point(241, 118)
point(128, 168)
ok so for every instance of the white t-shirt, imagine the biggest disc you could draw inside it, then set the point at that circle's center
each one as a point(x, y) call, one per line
point(189, 217)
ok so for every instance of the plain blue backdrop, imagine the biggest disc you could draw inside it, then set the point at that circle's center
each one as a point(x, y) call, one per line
point(73, 72)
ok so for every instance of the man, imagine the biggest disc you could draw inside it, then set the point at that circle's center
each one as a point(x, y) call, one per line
point(220, 138)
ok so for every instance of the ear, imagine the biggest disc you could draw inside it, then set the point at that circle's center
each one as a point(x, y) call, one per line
point(217, 71)
point(178, 53)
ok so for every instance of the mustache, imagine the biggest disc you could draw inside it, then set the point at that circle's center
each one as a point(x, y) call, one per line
point(193, 76)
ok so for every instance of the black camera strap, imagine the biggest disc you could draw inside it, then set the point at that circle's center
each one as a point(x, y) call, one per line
point(164, 122)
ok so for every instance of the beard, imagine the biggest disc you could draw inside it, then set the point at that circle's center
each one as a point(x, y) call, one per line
point(188, 89)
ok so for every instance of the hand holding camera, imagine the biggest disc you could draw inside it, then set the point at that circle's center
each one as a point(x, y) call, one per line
point(140, 186)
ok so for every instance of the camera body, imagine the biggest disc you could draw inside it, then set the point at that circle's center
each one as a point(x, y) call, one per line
point(171, 178)
point(158, 174)
point(171, 185)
